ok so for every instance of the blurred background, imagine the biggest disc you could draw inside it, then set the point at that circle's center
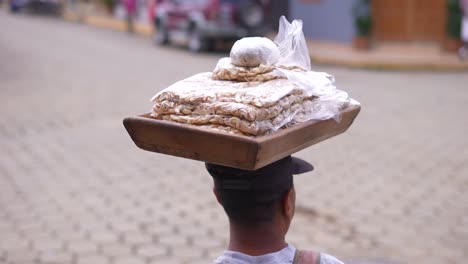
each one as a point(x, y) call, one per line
point(75, 189)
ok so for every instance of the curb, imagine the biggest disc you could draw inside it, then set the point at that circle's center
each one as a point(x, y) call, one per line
point(392, 66)
point(108, 23)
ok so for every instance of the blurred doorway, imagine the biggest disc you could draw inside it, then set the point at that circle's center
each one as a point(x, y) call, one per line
point(278, 8)
point(409, 20)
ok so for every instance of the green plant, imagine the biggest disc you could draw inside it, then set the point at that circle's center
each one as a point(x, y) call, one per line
point(109, 4)
point(364, 25)
point(362, 17)
point(454, 18)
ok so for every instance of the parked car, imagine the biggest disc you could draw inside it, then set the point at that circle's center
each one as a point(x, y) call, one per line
point(49, 6)
point(201, 22)
point(16, 5)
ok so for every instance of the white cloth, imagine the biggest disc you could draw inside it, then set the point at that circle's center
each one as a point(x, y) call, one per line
point(284, 256)
point(254, 51)
point(464, 29)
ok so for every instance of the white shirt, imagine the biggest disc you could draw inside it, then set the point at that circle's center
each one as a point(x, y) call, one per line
point(284, 256)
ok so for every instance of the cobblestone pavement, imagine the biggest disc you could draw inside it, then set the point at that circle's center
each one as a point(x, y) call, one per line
point(74, 188)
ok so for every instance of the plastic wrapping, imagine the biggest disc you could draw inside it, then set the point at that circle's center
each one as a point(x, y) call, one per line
point(201, 88)
point(241, 110)
point(256, 100)
point(254, 51)
point(322, 86)
point(258, 127)
point(227, 71)
point(253, 108)
point(292, 44)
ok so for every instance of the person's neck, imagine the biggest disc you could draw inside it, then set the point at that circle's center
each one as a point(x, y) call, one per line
point(256, 241)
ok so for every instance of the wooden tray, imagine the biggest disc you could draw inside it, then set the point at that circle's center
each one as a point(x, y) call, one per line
point(232, 150)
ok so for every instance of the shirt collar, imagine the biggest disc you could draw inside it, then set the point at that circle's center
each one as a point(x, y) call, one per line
point(285, 255)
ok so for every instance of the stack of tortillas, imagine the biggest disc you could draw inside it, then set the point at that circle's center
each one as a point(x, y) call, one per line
point(247, 93)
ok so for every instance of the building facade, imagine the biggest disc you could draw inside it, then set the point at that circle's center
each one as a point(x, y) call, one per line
point(393, 20)
point(329, 20)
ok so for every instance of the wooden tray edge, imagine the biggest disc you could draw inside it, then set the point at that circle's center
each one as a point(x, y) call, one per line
point(255, 145)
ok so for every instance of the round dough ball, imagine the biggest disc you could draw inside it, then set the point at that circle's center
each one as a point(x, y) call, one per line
point(253, 51)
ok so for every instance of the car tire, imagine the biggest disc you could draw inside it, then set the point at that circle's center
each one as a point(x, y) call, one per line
point(161, 36)
point(58, 10)
point(14, 8)
point(196, 42)
point(252, 14)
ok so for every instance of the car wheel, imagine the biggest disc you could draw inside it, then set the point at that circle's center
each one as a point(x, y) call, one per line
point(252, 15)
point(196, 42)
point(14, 8)
point(161, 37)
point(58, 10)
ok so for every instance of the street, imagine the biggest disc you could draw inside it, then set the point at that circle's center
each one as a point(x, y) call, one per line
point(75, 189)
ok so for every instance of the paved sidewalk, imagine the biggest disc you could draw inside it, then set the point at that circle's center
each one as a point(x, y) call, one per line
point(388, 56)
point(74, 189)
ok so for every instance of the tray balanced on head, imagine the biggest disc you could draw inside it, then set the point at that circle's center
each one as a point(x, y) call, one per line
point(244, 152)
point(257, 106)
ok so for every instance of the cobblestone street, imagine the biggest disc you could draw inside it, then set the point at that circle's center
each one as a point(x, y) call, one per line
point(75, 189)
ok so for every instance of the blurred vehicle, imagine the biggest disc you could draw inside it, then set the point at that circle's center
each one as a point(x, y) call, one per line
point(16, 5)
point(201, 22)
point(48, 6)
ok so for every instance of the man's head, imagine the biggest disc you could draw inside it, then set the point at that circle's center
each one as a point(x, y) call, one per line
point(253, 198)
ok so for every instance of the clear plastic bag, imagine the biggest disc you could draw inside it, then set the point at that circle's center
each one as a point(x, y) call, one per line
point(292, 44)
point(294, 53)
point(330, 100)
point(254, 51)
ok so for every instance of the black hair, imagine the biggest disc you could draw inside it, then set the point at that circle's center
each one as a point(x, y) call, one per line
point(250, 208)
point(252, 197)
